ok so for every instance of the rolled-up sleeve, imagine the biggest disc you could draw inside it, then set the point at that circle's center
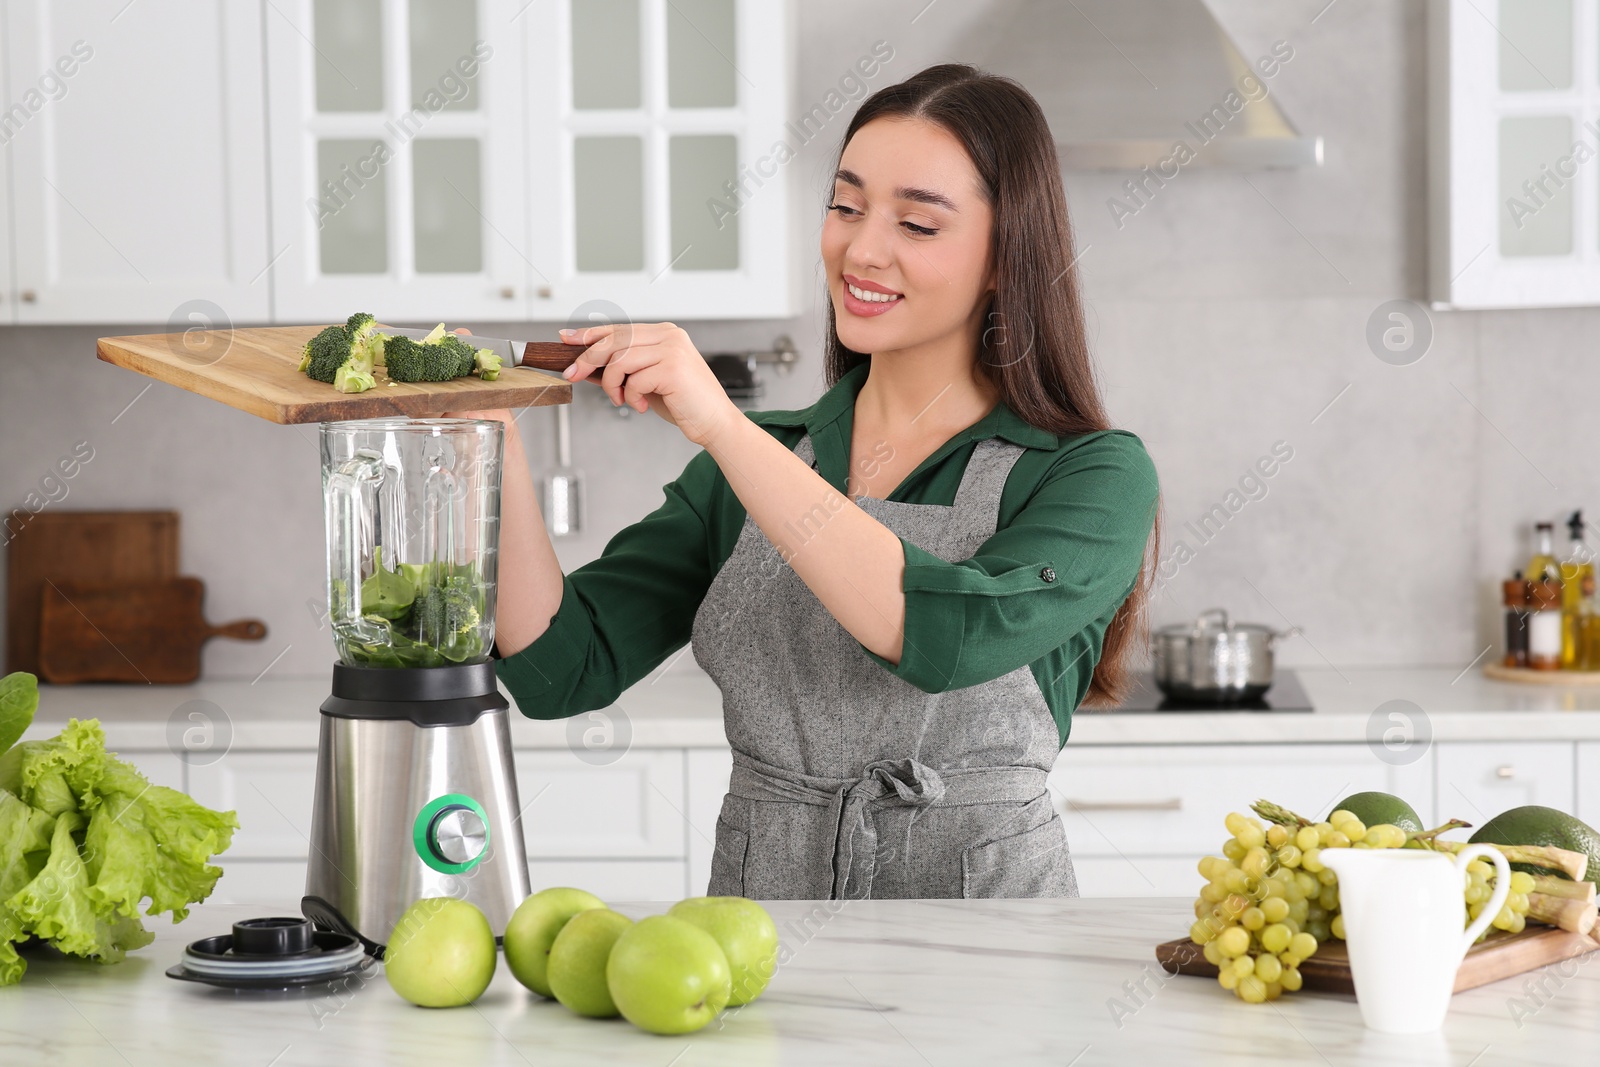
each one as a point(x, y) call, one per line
point(1065, 561)
point(623, 613)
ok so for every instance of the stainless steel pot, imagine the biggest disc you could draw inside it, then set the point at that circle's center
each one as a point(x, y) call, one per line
point(1215, 659)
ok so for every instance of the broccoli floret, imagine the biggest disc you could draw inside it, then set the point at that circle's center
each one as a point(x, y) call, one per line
point(340, 358)
point(487, 364)
point(407, 360)
point(365, 339)
point(460, 349)
point(447, 618)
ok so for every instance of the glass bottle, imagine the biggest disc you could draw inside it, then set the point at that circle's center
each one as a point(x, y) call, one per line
point(1515, 594)
point(1578, 565)
point(1544, 626)
point(1543, 567)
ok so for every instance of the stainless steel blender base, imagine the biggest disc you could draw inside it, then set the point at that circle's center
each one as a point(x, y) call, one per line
point(414, 798)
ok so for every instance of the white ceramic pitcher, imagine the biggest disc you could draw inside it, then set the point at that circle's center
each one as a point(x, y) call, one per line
point(1403, 911)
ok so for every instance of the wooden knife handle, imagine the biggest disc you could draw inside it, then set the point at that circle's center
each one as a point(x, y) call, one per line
point(241, 630)
point(551, 355)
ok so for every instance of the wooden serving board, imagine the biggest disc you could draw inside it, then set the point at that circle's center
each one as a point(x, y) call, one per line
point(1528, 676)
point(1499, 956)
point(257, 370)
point(149, 632)
point(78, 546)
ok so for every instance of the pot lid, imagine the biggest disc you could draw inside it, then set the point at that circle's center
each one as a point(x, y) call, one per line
point(1215, 621)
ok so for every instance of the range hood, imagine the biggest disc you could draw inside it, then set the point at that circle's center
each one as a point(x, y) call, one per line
point(1122, 82)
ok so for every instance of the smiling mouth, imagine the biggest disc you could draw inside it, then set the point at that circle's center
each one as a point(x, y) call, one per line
point(869, 297)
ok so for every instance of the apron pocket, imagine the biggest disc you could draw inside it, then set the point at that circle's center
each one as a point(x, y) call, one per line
point(1034, 863)
point(727, 862)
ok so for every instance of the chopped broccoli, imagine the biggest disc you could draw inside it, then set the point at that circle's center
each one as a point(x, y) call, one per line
point(340, 357)
point(447, 618)
point(407, 360)
point(487, 364)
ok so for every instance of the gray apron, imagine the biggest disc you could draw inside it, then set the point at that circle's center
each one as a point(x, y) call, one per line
point(850, 783)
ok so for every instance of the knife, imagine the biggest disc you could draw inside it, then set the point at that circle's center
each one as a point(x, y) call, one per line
point(553, 356)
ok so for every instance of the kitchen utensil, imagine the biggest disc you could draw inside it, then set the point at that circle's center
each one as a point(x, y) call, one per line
point(1498, 956)
point(150, 632)
point(78, 546)
point(257, 370)
point(416, 795)
point(1215, 659)
point(272, 953)
point(1402, 913)
point(563, 487)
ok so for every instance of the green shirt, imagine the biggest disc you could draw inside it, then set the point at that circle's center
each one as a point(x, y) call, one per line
point(1076, 509)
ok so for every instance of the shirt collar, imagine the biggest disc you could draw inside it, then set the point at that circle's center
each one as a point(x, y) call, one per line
point(840, 401)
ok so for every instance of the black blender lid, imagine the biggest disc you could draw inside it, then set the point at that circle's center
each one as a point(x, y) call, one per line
point(271, 953)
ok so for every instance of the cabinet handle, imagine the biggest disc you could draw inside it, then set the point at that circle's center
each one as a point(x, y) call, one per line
point(507, 292)
point(29, 296)
point(1169, 804)
point(1505, 771)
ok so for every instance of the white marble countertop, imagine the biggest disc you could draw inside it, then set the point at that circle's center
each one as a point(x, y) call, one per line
point(682, 709)
point(923, 983)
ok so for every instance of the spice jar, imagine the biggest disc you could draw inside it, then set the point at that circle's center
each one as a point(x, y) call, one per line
point(1515, 592)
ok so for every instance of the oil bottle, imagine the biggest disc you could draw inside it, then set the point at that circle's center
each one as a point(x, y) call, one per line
point(1543, 567)
point(1576, 569)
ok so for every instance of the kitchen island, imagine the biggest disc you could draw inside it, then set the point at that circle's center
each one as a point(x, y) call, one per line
point(1063, 982)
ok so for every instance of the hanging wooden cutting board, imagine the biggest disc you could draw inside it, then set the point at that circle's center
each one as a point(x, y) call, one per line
point(257, 370)
point(78, 546)
point(149, 632)
point(1498, 956)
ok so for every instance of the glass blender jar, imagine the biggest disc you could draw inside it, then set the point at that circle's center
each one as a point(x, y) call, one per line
point(416, 795)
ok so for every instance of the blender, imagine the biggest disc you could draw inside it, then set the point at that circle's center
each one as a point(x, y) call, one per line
point(416, 795)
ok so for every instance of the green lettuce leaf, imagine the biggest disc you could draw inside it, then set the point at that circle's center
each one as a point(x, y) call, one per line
point(24, 833)
point(55, 774)
point(19, 699)
point(55, 905)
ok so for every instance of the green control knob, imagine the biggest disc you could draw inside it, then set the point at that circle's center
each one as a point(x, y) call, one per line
point(451, 833)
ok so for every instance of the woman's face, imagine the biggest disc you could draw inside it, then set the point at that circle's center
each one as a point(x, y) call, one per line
point(909, 217)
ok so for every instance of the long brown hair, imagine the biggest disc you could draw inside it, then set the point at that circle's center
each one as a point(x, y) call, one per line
point(1034, 347)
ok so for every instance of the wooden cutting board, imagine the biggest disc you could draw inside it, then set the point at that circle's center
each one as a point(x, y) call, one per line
point(78, 546)
point(1499, 956)
point(148, 632)
point(257, 370)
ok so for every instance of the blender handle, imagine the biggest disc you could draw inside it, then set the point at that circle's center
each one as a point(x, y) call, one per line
point(351, 538)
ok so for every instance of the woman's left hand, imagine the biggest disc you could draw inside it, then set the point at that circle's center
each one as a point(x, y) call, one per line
point(655, 367)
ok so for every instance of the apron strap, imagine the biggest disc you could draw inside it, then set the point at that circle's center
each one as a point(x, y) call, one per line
point(903, 782)
point(984, 480)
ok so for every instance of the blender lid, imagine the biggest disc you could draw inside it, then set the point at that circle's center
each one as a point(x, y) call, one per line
point(271, 953)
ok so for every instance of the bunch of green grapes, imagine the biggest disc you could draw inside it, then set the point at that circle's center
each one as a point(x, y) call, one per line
point(1513, 914)
point(1269, 901)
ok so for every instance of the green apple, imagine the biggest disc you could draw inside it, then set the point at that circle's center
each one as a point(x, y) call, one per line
point(668, 976)
point(577, 965)
point(533, 929)
point(440, 954)
point(746, 934)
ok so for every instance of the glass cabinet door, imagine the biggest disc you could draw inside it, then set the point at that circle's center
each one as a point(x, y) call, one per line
point(397, 137)
point(665, 142)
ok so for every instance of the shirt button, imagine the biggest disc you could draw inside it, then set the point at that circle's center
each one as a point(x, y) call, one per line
point(1048, 574)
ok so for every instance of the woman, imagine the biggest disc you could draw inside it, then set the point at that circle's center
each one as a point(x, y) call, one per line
point(903, 590)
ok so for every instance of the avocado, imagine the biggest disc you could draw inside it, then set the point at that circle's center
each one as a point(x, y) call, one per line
point(1536, 825)
point(1375, 809)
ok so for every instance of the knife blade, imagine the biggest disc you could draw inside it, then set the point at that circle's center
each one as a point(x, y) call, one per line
point(554, 356)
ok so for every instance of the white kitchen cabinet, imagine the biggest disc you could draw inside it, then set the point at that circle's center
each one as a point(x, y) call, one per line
point(398, 158)
point(613, 881)
point(138, 165)
point(273, 792)
point(1477, 780)
point(8, 294)
point(1587, 787)
point(1168, 800)
point(1137, 876)
point(276, 886)
point(629, 809)
point(706, 773)
point(1514, 198)
point(659, 157)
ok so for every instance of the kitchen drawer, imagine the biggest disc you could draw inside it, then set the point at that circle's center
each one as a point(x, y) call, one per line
point(271, 791)
point(630, 809)
point(1168, 800)
point(1137, 876)
point(1477, 780)
point(615, 881)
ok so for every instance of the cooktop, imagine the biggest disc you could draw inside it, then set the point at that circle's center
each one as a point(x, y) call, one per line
point(1286, 694)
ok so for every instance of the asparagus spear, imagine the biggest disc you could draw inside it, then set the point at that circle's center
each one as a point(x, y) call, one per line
point(1572, 915)
point(1573, 864)
point(1551, 885)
